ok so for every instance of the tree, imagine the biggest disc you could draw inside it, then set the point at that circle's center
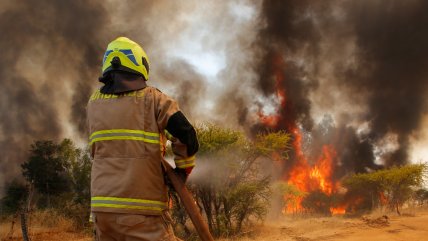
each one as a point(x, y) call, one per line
point(317, 202)
point(401, 182)
point(15, 197)
point(228, 185)
point(79, 165)
point(289, 195)
point(46, 168)
point(396, 184)
point(421, 195)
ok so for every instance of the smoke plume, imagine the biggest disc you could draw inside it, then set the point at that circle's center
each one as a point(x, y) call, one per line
point(46, 72)
point(364, 62)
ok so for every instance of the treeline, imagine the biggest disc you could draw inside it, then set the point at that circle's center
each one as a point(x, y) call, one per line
point(57, 176)
point(390, 188)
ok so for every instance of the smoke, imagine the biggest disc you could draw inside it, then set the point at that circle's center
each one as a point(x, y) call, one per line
point(362, 62)
point(52, 52)
point(392, 37)
point(45, 72)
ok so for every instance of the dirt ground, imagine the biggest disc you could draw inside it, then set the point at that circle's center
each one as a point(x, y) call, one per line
point(408, 227)
point(411, 226)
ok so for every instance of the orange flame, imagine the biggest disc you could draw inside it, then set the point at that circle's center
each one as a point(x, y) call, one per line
point(309, 178)
point(268, 120)
point(337, 210)
point(305, 176)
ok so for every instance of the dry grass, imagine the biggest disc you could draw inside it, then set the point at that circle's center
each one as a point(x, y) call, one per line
point(43, 225)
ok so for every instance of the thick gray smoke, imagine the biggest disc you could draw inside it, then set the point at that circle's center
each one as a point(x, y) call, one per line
point(51, 61)
point(392, 37)
point(49, 51)
point(370, 54)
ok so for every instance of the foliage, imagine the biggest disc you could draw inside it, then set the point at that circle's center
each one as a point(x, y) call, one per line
point(15, 196)
point(396, 184)
point(288, 193)
point(46, 169)
point(229, 187)
point(213, 139)
point(60, 173)
point(273, 142)
point(79, 171)
point(421, 195)
point(317, 202)
point(247, 199)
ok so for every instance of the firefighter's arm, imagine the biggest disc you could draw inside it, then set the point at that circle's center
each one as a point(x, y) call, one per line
point(184, 161)
point(183, 138)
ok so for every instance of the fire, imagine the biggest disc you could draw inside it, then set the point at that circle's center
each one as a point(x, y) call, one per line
point(307, 176)
point(271, 120)
point(322, 171)
point(337, 210)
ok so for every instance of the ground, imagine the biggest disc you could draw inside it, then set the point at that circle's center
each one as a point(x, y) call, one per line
point(410, 226)
point(390, 227)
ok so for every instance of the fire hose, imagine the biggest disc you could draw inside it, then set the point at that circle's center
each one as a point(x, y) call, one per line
point(188, 203)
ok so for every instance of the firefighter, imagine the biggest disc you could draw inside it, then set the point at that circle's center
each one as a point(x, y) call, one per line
point(129, 123)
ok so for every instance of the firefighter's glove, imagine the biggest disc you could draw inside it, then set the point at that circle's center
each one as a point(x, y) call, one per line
point(181, 173)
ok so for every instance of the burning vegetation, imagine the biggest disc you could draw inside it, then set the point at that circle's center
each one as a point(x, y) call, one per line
point(294, 42)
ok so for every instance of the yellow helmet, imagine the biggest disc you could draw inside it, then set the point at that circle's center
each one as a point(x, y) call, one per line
point(124, 54)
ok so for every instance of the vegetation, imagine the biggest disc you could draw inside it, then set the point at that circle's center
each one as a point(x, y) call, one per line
point(230, 187)
point(58, 174)
point(421, 196)
point(15, 196)
point(391, 187)
point(288, 194)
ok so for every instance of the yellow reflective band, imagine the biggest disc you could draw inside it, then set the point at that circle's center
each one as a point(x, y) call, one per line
point(125, 206)
point(114, 131)
point(188, 162)
point(187, 165)
point(131, 138)
point(192, 158)
point(124, 134)
point(128, 203)
point(134, 200)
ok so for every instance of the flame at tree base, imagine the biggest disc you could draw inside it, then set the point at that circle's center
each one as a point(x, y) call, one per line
point(337, 211)
point(311, 178)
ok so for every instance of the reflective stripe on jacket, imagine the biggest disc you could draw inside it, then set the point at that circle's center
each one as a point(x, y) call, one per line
point(127, 138)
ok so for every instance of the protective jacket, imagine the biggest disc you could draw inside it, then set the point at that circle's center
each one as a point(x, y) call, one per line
point(128, 133)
